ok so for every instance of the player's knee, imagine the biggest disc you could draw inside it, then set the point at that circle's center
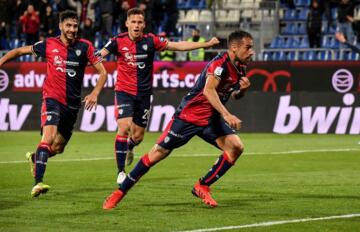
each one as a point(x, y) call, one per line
point(57, 148)
point(138, 138)
point(236, 150)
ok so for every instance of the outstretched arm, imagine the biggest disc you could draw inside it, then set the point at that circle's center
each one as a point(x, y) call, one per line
point(340, 36)
point(212, 96)
point(12, 54)
point(188, 45)
point(91, 99)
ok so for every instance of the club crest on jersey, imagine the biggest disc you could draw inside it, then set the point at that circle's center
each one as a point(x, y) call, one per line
point(218, 71)
point(78, 52)
point(145, 47)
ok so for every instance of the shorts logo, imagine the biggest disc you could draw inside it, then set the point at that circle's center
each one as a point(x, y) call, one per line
point(167, 139)
point(78, 52)
point(121, 111)
point(48, 118)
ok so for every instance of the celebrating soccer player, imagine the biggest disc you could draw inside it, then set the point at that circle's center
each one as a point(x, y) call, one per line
point(67, 57)
point(135, 55)
point(202, 113)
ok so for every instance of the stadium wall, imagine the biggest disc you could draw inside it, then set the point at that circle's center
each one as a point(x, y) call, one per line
point(285, 97)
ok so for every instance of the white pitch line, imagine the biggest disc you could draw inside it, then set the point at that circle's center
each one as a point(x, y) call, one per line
point(202, 155)
point(272, 223)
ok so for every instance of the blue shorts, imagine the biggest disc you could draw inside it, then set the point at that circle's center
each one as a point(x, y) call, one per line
point(179, 132)
point(137, 107)
point(57, 114)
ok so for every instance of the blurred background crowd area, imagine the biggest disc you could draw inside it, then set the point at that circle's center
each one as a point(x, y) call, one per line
point(284, 30)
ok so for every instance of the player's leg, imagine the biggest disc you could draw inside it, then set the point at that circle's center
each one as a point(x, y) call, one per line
point(124, 114)
point(223, 137)
point(232, 148)
point(140, 121)
point(176, 134)
point(50, 117)
point(135, 138)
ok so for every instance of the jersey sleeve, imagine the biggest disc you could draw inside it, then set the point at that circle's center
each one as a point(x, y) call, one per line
point(39, 49)
point(111, 46)
point(93, 59)
point(216, 69)
point(160, 43)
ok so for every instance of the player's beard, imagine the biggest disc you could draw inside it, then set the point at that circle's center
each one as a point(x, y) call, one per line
point(70, 36)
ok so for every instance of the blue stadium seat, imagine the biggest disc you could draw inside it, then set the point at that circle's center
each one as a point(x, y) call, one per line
point(181, 4)
point(301, 28)
point(289, 42)
point(290, 29)
point(277, 42)
point(304, 42)
point(329, 41)
point(323, 55)
point(290, 55)
point(302, 14)
point(267, 56)
point(278, 56)
point(302, 2)
point(351, 55)
point(289, 14)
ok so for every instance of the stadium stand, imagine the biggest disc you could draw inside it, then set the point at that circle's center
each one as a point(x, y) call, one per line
point(279, 30)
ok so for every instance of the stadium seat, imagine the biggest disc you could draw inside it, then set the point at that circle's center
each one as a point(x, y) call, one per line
point(233, 4)
point(323, 55)
point(278, 42)
point(304, 42)
point(221, 16)
point(289, 29)
point(192, 16)
point(181, 4)
point(289, 14)
point(301, 28)
point(233, 16)
point(205, 16)
point(350, 55)
point(302, 14)
point(267, 56)
point(290, 55)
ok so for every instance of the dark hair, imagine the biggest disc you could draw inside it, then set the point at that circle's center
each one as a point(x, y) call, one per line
point(135, 11)
point(68, 14)
point(238, 36)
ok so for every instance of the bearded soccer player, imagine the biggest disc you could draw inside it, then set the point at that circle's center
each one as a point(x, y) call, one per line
point(202, 112)
point(135, 55)
point(67, 57)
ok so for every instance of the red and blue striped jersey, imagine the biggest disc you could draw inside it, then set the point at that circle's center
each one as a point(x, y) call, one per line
point(194, 107)
point(135, 62)
point(65, 68)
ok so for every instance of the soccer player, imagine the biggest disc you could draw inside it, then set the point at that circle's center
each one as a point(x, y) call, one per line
point(67, 57)
point(135, 55)
point(202, 113)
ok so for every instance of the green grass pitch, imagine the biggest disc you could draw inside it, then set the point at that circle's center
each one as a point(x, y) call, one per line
point(279, 178)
